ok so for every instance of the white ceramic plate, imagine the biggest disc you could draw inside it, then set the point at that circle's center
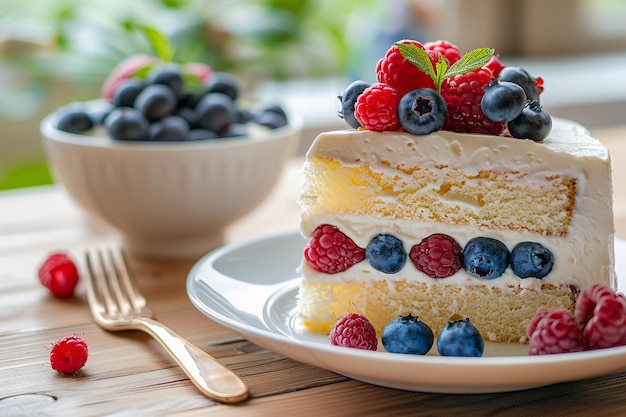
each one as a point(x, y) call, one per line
point(251, 288)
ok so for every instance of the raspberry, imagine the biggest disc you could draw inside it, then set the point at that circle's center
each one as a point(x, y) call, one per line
point(438, 256)
point(495, 66)
point(59, 274)
point(601, 315)
point(555, 331)
point(394, 70)
point(68, 355)
point(199, 69)
point(463, 94)
point(125, 69)
point(354, 331)
point(448, 50)
point(377, 108)
point(331, 251)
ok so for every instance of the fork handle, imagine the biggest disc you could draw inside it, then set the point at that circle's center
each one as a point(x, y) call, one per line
point(211, 377)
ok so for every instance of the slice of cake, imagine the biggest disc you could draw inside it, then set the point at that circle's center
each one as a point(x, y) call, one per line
point(445, 224)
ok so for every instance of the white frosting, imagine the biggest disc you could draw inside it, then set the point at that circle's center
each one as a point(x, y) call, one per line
point(583, 256)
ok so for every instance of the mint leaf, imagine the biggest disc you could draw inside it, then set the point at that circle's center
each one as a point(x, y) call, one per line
point(441, 69)
point(160, 44)
point(418, 57)
point(470, 61)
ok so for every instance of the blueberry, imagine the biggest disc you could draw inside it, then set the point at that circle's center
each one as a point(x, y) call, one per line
point(533, 86)
point(484, 257)
point(422, 111)
point(460, 338)
point(126, 123)
point(156, 101)
point(168, 75)
point(216, 112)
point(386, 254)
point(348, 100)
point(126, 92)
point(533, 123)
point(270, 119)
point(407, 334)
point(201, 134)
point(173, 128)
point(234, 130)
point(225, 83)
point(503, 101)
point(75, 121)
point(530, 259)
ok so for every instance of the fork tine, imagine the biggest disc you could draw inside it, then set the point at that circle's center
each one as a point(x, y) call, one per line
point(96, 303)
point(112, 285)
point(126, 281)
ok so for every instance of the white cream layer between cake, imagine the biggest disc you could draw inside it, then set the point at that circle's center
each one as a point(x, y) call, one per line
point(582, 256)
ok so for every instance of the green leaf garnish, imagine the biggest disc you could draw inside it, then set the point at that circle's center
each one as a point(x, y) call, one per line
point(441, 70)
point(158, 41)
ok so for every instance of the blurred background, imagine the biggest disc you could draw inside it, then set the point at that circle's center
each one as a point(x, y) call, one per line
point(300, 53)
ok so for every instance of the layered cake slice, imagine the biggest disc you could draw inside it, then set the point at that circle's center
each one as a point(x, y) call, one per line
point(444, 223)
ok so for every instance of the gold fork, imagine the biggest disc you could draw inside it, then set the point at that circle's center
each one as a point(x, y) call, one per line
point(116, 304)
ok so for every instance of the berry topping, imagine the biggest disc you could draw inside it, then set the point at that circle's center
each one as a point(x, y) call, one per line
point(376, 108)
point(463, 94)
point(156, 101)
point(601, 314)
point(225, 83)
point(386, 254)
point(554, 331)
point(495, 65)
point(530, 259)
point(448, 50)
point(216, 112)
point(438, 256)
point(485, 257)
point(331, 251)
point(59, 274)
point(407, 334)
point(68, 355)
point(422, 111)
point(460, 338)
point(533, 86)
point(348, 101)
point(533, 123)
point(397, 71)
point(354, 331)
point(503, 101)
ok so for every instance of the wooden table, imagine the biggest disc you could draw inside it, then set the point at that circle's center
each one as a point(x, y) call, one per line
point(130, 374)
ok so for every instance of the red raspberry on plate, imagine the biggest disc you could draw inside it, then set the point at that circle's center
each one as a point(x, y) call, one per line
point(126, 69)
point(354, 331)
point(438, 256)
point(555, 331)
point(394, 70)
point(59, 274)
point(463, 94)
point(69, 354)
point(601, 315)
point(450, 51)
point(376, 108)
point(331, 251)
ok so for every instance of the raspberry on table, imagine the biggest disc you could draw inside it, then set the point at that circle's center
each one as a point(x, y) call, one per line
point(555, 331)
point(399, 73)
point(438, 256)
point(376, 108)
point(59, 274)
point(463, 95)
point(331, 251)
point(69, 354)
point(354, 331)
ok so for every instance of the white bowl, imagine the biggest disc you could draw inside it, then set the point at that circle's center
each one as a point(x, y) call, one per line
point(169, 200)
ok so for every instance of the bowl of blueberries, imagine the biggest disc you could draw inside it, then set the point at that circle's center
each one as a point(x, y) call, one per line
point(170, 155)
